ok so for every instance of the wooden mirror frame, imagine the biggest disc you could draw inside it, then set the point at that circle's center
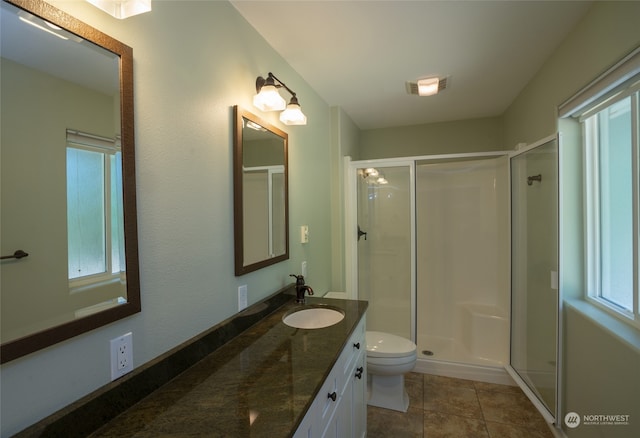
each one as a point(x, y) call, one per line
point(238, 216)
point(28, 344)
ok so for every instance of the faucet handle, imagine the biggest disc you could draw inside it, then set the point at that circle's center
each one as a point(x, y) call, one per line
point(299, 279)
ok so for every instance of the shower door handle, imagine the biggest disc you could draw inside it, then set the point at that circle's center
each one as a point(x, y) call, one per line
point(361, 233)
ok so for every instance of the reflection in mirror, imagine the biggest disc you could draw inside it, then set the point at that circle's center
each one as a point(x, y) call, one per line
point(67, 178)
point(260, 193)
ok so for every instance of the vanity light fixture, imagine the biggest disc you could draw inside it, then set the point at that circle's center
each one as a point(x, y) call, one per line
point(122, 8)
point(293, 115)
point(268, 98)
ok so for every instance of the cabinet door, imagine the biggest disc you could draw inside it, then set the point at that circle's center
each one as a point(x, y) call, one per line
point(350, 419)
point(344, 415)
point(340, 408)
point(335, 426)
point(359, 398)
point(305, 430)
point(310, 423)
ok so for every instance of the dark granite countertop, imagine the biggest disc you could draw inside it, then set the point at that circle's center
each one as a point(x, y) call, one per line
point(261, 383)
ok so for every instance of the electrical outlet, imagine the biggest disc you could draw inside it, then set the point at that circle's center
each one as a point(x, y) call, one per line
point(121, 355)
point(242, 297)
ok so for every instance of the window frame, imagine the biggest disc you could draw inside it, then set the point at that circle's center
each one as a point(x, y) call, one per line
point(592, 205)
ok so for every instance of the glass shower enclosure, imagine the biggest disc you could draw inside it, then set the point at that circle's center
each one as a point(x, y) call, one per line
point(386, 242)
point(534, 274)
point(428, 247)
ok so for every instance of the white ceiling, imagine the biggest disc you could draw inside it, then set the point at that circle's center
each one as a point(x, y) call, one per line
point(359, 54)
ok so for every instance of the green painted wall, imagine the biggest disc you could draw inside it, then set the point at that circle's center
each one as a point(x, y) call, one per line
point(607, 33)
point(346, 140)
point(474, 135)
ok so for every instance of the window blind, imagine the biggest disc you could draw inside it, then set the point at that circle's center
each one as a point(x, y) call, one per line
point(615, 80)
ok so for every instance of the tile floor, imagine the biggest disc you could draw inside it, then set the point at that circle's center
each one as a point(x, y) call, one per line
point(447, 407)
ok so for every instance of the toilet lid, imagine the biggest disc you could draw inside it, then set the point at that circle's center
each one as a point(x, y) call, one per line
point(381, 344)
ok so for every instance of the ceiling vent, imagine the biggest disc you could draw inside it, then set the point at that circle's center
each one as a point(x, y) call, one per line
point(413, 88)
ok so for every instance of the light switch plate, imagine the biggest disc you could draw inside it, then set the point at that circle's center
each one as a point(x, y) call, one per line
point(304, 234)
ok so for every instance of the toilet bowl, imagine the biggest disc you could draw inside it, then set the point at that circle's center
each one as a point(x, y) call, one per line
point(389, 357)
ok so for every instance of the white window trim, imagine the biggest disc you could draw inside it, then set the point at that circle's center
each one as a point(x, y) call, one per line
point(635, 138)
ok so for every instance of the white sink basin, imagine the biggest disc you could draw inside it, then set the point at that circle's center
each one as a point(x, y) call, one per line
point(313, 317)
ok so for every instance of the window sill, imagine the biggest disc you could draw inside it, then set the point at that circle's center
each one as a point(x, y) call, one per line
point(612, 325)
point(100, 307)
point(95, 283)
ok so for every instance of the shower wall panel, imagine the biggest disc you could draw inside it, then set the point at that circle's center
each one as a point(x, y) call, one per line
point(463, 260)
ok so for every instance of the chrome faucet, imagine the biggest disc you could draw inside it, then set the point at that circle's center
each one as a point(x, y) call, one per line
point(301, 288)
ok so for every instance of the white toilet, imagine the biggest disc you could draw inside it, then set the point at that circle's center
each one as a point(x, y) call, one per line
point(388, 358)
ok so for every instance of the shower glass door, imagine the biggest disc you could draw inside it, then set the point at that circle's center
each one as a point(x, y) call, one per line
point(385, 247)
point(534, 272)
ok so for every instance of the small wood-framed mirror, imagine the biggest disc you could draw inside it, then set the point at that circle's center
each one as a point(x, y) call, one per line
point(68, 179)
point(261, 196)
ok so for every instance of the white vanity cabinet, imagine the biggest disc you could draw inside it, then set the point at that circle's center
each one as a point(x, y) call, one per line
point(340, 408)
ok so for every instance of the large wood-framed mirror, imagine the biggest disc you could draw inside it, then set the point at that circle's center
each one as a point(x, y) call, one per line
point(68, 179)
point(261, 196)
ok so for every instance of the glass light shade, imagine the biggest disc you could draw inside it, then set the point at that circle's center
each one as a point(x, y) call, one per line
point(268, 99)
point(122, 8)
point(293, 115)
point(428, 87)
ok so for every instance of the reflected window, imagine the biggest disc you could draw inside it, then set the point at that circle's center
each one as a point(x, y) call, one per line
point(94, 209)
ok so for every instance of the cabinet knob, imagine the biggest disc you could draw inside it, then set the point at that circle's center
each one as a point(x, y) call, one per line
point(357, 345)
point(333, 396)
point(359, 372)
